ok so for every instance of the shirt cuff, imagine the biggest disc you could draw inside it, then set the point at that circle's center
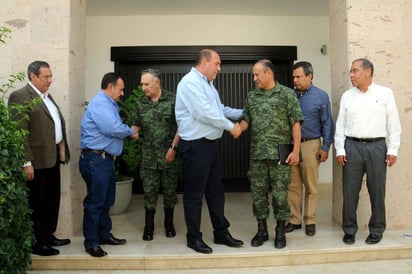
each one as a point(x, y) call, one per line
point(393, 152)
point(340, 152)
point(229, 126)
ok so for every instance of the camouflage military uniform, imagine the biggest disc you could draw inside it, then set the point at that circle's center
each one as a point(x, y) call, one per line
point(270, 115)
point(158, 128)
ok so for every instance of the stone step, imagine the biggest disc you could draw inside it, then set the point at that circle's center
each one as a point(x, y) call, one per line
point(171, 253)
point(261, 257)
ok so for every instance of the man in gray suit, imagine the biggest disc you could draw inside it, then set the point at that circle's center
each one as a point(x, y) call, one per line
point(46, 147)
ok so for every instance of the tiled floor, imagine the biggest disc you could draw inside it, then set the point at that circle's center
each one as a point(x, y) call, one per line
point(323, 253)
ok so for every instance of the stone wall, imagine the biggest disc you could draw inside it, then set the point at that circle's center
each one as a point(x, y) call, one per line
point(380, 31)
point(53, 31)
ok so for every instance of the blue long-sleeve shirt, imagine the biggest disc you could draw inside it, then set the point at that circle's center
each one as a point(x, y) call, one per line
point(199, 111)
point(101, 127)
point(316, 110)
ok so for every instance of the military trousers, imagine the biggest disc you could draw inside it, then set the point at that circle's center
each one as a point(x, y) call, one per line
point(267, 176)
point(153, 180)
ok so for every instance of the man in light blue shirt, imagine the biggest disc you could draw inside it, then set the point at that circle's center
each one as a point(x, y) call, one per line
point(102, 134)
point(201, 120)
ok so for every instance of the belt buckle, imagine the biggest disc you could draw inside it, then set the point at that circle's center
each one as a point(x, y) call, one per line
point(103, 154)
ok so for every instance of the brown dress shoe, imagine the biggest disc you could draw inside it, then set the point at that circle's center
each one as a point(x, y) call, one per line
point(310, 230)
point(290, 227)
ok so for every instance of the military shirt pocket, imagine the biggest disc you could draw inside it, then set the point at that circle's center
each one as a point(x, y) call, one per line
point(278, 110)
point(167, 117)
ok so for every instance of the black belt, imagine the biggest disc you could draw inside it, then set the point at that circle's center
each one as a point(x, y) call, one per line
point(308, 139)
point(200, 140)
point(365, 140)
point(102, 153)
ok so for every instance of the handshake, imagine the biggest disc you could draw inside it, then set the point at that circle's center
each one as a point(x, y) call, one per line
point(236, 130)
point(135, 132)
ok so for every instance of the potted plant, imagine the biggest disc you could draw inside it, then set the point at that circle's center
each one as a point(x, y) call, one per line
point(128, 162)
point(15, 224)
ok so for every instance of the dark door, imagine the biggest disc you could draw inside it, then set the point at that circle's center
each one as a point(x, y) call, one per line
point(233, 83)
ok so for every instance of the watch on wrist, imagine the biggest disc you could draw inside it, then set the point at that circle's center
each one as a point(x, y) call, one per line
point(173, 147)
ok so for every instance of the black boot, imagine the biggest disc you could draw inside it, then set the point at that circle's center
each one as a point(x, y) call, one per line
point(262, 233)
point(170, 228)
point(149, 224)
point(280, 238)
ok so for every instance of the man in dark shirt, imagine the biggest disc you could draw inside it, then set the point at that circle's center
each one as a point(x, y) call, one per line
point(317, 137)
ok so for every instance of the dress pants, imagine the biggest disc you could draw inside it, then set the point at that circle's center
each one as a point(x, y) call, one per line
point(306, 175)
point(101, 190)
point(44, 201)
point(369, 158)
point(202, 174)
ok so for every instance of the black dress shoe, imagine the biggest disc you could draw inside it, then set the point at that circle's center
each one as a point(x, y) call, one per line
point(373, 239)
point(96, 251)
point(290, 227)
point(310, 230)
point(349, 239)
point(228, 240)
point(112, 241)
point(200, 246)
point(45, 250)
point(53, 241)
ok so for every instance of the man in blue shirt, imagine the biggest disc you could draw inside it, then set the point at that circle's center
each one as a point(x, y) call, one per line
point(102, 134)
point(201, 120)
point(317, 137)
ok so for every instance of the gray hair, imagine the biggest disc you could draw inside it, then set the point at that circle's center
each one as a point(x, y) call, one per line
point(35, 66)
point(154, 72)
point(366, 64)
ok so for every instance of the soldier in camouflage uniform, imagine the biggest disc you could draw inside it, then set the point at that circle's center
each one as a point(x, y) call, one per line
point(158, 131)
point(272, 111)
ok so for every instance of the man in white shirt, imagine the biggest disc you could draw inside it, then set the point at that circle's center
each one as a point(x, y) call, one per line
point(367, 115)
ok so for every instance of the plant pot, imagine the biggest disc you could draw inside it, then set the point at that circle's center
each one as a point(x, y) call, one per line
point(123, 195)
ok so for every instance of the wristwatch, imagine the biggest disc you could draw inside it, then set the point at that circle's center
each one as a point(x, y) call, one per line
point(173, 147)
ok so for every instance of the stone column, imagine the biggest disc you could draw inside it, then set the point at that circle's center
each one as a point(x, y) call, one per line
point(53, 31)
point(380, 31)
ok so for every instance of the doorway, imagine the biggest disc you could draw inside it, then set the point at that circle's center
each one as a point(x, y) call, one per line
point(233, 83)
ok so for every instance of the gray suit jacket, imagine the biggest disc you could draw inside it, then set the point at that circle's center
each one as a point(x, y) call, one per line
point(40, 144)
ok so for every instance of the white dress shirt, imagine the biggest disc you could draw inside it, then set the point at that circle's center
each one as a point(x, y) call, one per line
point(369, 114)
point(54, 112)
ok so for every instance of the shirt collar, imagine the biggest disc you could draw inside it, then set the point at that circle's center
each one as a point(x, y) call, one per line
point(369, 88)
point(201, 75)
point(109, 98)
point(272, 90)
point(299, 93)
point(43, 95)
